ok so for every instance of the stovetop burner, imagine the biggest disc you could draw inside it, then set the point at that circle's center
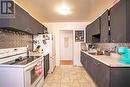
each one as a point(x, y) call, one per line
point(22, 60)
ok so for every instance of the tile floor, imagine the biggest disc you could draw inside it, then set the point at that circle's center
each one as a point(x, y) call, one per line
point(68, 76)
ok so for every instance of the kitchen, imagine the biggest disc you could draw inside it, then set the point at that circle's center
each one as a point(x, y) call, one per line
point(64, 43)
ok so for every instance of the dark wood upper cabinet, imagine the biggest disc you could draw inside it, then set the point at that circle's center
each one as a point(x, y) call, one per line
point(35, 26)
point(105, 36)
point(93, 32)
point(96, 27)
point(20, 22)
point(120, 20)
point(113, 26)
point(89, 33)
point(23, 22)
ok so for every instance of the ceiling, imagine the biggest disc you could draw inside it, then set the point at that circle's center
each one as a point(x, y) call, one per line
point(82, 10)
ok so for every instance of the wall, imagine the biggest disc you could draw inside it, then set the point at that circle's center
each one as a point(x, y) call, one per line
point(54, 28)
point(12, 39)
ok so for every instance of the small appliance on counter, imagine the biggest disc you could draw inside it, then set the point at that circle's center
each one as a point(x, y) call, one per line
point(107, 52)
point(125, 55)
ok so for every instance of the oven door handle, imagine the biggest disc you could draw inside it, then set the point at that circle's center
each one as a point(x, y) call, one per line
point(33, 65)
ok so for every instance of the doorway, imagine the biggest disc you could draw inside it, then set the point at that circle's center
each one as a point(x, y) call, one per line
point(66, 47)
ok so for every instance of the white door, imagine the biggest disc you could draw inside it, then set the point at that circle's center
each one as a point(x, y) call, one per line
point(66, 46)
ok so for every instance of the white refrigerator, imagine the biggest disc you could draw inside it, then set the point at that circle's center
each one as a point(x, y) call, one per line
point(47, 45)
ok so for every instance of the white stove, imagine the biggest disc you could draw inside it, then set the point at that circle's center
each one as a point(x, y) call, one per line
point(19, 70)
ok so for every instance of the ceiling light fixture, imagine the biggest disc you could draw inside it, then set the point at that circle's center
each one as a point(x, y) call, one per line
point(63, 9)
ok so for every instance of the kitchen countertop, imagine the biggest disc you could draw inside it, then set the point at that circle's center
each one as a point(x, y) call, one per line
point(108, 60)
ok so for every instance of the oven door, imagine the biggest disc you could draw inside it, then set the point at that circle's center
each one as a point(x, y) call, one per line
point(34, 74)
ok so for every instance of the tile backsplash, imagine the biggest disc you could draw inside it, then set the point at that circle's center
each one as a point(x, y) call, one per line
point(105, 46)
point(12, 39)
point(111, 46)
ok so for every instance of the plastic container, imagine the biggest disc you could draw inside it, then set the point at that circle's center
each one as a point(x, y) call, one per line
point(125, 55)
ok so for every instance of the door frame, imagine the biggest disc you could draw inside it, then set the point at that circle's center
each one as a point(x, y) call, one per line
point(72, 46)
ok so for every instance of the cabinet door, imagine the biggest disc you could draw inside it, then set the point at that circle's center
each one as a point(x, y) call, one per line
point(120, 77)
point(104, 28)
point(86, 35)
point(41, 28)
point(99, 72)
point(89, 34)
point(21, 20)
point(33, 25)
point(118, 22)
point(93, 29)
point(92, 68)
point(45, 29)
point(96, 27)
point(84, 60)
point(89, 65)
point(128, 21)
point(103, 75)
point(4, 22)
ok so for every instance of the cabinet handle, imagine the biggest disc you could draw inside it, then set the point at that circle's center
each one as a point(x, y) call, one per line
point(98, 63)
point(113, 40)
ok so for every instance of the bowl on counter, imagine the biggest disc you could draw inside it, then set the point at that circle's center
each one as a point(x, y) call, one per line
point(95, 52)
point(100, 53)
point(92, 53)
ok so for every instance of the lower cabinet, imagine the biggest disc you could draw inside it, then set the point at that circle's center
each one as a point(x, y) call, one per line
point(46, 65)
point(98, 71)
point(91, 67)
point(120, 77)
point(83, 60)
point(103, 75)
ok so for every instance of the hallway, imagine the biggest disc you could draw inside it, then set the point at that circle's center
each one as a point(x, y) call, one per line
point(69, 76)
